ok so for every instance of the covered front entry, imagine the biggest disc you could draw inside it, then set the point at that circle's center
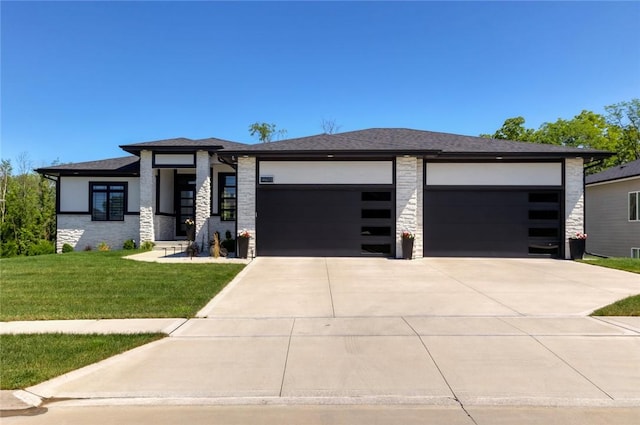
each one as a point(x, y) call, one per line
point(492, 222)
point(328, 221)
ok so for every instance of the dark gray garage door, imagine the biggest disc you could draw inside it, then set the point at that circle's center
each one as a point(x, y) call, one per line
point(492, 223)
point(325, 221)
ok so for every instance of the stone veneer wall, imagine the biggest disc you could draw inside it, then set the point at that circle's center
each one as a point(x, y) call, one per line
point(147, 198)
point(409, 202)
point(79, 231)
point(203, 195)
point(246, 190)
point(574, 199)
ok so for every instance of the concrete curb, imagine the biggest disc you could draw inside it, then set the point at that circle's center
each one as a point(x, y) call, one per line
point(18, 402)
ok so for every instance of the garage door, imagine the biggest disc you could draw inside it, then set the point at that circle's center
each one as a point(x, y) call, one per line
point(492, 223)
point(324, 221)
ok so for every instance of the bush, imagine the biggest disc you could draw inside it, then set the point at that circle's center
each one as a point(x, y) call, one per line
point(9, 249)
point(42, 247)
point(129, 244)
point(147, 246)
point(229, 245)
point(103, 247)
point(67, 248)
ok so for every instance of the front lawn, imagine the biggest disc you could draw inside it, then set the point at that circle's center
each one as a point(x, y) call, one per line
point(101, 285)
point(629, 306)
point(30, 359)
point(626, 264)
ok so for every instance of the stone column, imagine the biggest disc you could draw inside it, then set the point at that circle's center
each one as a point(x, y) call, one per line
point(147, 197)
point(409, 202)
point(574, 199)
point(246, 198)
point(203, 196)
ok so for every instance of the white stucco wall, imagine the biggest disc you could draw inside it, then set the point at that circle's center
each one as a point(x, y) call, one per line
point(328, 172)
point(80, 232)
point(74, 192)
point(174, 159)
point(166, 202)
point(247, 192)
point(494, 174)
point(574, 199)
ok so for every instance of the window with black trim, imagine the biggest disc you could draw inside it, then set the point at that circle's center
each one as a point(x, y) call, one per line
point(634, 206)
point(108, 201)
point(227, 196)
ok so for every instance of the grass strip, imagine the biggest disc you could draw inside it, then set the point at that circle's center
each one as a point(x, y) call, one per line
point(33, 358)
point(629, 306)
point(627, 264)
point(103, 285)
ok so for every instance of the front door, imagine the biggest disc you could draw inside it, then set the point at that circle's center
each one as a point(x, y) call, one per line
point(185, 197)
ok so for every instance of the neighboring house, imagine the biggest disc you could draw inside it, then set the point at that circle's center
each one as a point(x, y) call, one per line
point(613, 211)
point(345, 194)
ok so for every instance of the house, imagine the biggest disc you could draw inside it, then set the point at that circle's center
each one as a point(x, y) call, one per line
point(613, 211)
point(345, 194)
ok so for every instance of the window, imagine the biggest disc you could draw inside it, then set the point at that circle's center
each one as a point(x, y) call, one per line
point(108, 201)
point(634, 206)
point(635, 252)
point(227, 195)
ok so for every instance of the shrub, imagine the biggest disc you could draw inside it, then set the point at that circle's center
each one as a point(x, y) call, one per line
point(42, 247)
point(129, 244)
point(103, 247)
point(229, 245)
point(67, 248)
point(147, 246)
point(9, 249)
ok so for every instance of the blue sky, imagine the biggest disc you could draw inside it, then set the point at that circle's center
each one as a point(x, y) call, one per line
point(80, 78)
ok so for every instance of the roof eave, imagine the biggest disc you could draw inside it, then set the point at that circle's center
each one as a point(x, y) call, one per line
point(439, 154)
point(135, 150)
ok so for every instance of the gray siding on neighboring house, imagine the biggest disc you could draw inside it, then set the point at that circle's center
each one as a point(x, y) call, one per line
point(607, 217)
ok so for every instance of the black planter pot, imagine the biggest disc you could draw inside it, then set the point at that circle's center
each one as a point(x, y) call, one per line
point(243, 247)
point(407, 248)
point(577, 248)
point(191, 233)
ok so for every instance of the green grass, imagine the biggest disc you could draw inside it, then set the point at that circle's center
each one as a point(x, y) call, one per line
point(98, 285)
point(626, 264)
point(628, 306)
point(34, 358)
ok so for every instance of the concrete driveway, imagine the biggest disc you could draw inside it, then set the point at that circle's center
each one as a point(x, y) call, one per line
point(445, 332)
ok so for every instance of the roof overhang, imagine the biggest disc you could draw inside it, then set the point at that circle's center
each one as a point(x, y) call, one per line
point(231, 155)
point(135, 150)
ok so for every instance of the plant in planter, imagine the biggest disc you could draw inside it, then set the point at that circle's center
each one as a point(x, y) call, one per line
point(407, 244)
point(577, 245)
point(191, 229)
point(228, 243)
point(243, 243)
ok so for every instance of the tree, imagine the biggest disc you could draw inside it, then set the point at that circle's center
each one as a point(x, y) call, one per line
point(617, 132)
point(329, 126)
point(27, 224)
point(626, 116)
point(512, 129)
point(266, 131)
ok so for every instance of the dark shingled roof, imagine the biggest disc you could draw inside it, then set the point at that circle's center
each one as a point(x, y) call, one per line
point(630, 169)
point(404, 140)
point(129, 165)
point(182, 144)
